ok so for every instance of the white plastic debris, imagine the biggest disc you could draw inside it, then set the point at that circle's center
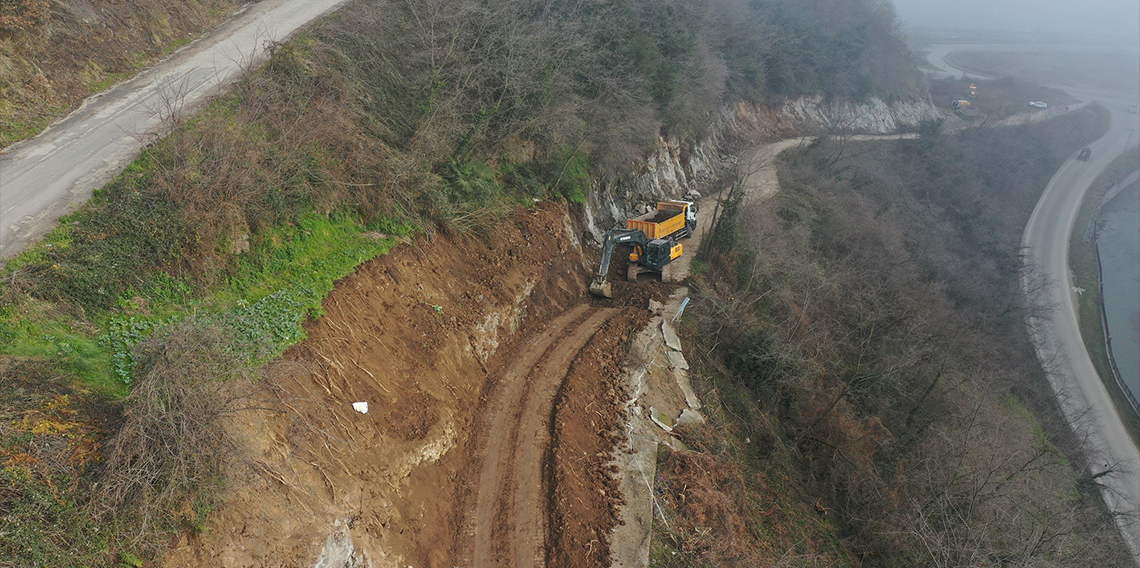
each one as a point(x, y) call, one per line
point(361, 407)
point(690, 416)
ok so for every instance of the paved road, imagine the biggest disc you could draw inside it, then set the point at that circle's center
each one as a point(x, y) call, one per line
point(1057, 335)
point(52, 174)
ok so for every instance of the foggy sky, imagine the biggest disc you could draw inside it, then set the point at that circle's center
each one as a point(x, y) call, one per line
point(1116, 17)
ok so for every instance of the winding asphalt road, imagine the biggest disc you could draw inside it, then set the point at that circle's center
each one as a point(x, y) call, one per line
point(55, 172)
point(1084, 399)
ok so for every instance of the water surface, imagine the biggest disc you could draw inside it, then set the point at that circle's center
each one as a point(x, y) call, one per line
point(1118, 235)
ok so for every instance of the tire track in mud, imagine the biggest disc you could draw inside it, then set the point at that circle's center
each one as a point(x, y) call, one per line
point(508, 521)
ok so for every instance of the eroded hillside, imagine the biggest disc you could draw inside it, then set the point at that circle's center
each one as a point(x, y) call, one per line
point(398, 209)
point(459, 346)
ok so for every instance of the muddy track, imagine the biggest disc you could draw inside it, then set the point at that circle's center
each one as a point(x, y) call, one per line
point(508, 521)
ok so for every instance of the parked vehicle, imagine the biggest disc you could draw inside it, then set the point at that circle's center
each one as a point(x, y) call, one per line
point(964, 109)
point(1038, 104)
point(1085, 154)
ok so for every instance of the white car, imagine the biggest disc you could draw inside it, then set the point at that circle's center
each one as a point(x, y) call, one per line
point(1038, 104)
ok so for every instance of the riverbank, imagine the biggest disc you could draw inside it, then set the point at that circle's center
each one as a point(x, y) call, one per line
point(1118, 249)
point(1086, 269)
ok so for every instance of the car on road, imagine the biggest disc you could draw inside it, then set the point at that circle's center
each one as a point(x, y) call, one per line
point(1038, 104)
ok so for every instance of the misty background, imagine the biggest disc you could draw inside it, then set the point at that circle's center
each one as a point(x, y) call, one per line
point(1110, 21)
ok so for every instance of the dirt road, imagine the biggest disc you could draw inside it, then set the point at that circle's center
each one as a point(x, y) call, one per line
point(508, 522)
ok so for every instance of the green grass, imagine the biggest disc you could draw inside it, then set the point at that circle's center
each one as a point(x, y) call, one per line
point(176, 44)
point(272, 295)
point(274, 289)
point(16, 128)
point(38, 330)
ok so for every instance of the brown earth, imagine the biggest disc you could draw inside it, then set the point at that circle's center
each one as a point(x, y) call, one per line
point(460, 346)
point(588, 416)
point(509, 517)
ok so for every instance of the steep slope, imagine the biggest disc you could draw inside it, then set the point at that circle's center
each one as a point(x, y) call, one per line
point(458, 347)
point(425, 121)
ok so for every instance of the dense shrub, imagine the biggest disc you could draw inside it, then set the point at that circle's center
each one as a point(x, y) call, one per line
point(872, 313)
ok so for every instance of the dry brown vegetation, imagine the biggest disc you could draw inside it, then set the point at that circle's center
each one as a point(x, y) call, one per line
point(162, 466)
point(55, 54)
point(440, 115)
point(869, 321)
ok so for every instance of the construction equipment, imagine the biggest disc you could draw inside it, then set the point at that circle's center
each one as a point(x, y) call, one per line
point(677, 219)
point(654, 239)
point(963, 109)
point(1085, 154)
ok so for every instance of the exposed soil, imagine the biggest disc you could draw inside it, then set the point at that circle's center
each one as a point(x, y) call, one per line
point(663, 215)
point(584, 496)
point(509, 517)
point(460, 347)
point(633, 294)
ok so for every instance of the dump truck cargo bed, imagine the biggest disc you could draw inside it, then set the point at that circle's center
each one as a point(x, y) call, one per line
point(669, 218)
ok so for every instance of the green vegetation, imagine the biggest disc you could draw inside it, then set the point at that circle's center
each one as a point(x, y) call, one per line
point(260, 310)
point(160, 298)
point(868, 324)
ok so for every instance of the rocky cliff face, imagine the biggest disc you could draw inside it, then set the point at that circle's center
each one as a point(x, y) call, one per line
point(675, 169)
point(814, 115)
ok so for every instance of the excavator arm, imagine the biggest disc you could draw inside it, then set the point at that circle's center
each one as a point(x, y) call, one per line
point(601, 286)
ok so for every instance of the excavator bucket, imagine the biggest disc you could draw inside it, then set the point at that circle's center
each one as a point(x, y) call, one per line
point(602, 289)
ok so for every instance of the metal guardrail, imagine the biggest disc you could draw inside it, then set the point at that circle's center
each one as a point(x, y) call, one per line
point(681, 309)
point(1109, 192)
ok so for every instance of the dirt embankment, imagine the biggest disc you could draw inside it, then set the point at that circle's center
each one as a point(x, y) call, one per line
point(464, 347)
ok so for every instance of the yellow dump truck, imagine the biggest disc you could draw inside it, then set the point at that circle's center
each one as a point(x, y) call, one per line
point(672, 219)
point(653, 239)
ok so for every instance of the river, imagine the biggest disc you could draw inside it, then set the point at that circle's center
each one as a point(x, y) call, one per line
point(1118, 235)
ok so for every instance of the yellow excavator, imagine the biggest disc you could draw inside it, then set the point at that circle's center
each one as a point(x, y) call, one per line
point(654, 240)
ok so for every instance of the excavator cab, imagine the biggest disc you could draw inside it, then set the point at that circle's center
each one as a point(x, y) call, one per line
point(656, 253)
point(659, 252)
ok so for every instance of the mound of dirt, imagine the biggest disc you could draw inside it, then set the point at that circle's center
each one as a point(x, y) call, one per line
point(413, 334)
